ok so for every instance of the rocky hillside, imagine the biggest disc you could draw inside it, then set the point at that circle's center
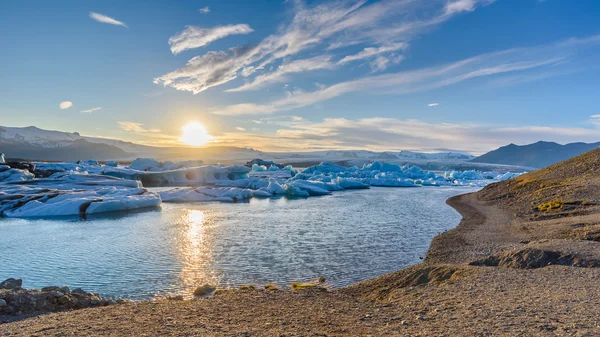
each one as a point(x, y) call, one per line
point(571, 187)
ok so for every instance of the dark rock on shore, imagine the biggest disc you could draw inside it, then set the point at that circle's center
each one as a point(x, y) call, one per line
point(17, 300)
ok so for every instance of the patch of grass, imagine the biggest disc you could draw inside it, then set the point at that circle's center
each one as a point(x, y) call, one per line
point(271, 287)
point(247, 287)
point(298, 286)
point(548, 206)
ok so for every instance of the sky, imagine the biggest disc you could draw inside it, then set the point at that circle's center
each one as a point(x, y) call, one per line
point(275, 75)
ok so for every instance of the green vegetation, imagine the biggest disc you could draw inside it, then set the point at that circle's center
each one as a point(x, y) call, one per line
point(247, 287)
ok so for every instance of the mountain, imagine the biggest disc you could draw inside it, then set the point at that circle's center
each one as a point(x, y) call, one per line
point(536, 155)
point(33, 143)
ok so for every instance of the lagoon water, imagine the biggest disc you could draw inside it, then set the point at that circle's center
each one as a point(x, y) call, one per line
point(347, 237)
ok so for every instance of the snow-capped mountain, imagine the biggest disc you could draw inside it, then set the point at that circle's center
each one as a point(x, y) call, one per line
point(37, 144)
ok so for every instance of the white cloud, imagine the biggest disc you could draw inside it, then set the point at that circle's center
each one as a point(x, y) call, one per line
point(194, 37)
point(204, 10)
point(485, 65)
point(433, 104)
point(372, 51)
point(279, 75)
point(338, 22)
point(91, 110)
point(105, 19)
point(136, 127)
point(379, 133)
point(240, 128)
point(65, 105)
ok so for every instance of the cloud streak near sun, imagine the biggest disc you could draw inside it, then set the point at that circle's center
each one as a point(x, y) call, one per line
point(106, 19)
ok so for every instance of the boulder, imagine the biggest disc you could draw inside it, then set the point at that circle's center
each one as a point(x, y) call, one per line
point(11, 283)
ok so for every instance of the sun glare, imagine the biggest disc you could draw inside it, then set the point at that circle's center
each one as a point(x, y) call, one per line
point(195, 134)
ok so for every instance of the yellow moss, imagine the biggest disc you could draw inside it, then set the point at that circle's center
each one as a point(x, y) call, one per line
point(555, 204)
point(247, 287)
point(297, 286)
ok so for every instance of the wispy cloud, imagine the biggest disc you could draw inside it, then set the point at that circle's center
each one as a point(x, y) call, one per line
point(239, 128)
point(280, 75)
point(91, 110)
point(433, 104)
point(65, 105)
point(334, 23)
point(204, 10)
point(381, 134)
point(106, 19)
point(136, 127)
point(373, 51)
point(485, 65)
point(194, 37)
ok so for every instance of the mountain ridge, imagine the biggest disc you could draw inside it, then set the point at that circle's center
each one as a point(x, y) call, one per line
point(537, 155)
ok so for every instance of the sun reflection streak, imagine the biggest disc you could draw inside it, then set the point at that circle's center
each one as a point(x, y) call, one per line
point(195, 250)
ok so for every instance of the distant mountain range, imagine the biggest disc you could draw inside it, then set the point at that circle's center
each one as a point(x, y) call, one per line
point(36, 144)
point(536, 155)
point(33, 143)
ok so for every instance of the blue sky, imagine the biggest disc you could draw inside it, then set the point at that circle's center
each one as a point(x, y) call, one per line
point(278, 75)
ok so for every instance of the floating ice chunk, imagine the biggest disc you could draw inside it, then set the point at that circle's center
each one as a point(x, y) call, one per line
point(293, 191)
point(383, 167)
point(349, 184)
point(464, 175)
point(326, 168)
point(275, 188)
point(25, 202)
point(9, 174)
point(2, 158)
point(222, 194)
point(144, 164)
point(273, 168)
point(183, 176)
point(112, 163)
point(258, 168)
point(383, 182)
point(312, 188)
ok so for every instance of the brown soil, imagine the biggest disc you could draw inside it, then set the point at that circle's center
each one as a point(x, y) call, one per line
point(543, 284)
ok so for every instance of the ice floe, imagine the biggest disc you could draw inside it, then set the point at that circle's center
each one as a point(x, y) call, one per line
point(84, 188)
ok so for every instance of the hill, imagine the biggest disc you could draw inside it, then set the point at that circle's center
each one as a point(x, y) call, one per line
point(536, 155)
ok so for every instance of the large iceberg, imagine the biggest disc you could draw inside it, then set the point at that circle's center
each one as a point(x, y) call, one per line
point(73, 195)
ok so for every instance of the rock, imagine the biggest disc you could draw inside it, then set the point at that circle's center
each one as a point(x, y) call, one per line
point(11, 283)
point(65, 290)
point(50, 288)
point(204, 290)
point(3, 303)
point(404, 323)
point(58, 294)
point(64, 300)
point(79, 291)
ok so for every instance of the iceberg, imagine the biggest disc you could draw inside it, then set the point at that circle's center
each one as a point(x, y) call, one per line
point(64, 197)
point(10, 174)
point(88, 187)
point(223, 194)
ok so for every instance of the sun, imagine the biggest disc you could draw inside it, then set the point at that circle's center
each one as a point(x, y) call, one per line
point(195, 134)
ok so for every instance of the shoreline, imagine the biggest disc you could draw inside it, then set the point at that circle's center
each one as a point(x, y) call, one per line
point(444, 294)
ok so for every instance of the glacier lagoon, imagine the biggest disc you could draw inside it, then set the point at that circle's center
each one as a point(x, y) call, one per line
point(346, 237)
